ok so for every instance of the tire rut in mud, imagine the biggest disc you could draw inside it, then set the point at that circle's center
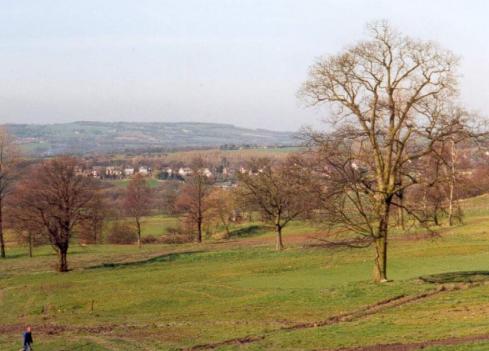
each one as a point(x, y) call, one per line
point(341, 318)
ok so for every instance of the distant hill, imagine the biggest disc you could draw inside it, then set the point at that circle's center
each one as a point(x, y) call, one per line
point(104, 137)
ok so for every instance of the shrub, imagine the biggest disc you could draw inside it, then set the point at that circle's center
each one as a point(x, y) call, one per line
point(150, 239)
point(175, 235)
point(121, 233)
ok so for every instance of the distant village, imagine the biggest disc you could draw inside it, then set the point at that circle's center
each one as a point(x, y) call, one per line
point(221, 170)
point(223, 175)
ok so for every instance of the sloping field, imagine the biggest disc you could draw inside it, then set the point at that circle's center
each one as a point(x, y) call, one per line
point(240, 294)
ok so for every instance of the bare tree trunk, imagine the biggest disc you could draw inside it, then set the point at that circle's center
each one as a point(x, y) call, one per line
point(400, 197)
point(425, 203)
point(279, 243)
point(450, 204)
point(138, 224)
point(435, 216)
point(63, 261)
point(401, 215)
point(199, 230)
point(380, 267)
point(451, 183)
point(95, 230)
point(225, 222)
point(400, 212)
point(199, 213)
point(2, 241)
point(30, 244)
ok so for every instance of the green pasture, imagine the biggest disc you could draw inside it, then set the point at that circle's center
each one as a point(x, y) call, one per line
point(122, 183)
point(169, 297)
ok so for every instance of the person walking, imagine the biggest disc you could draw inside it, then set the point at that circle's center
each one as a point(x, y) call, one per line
point(27, 336)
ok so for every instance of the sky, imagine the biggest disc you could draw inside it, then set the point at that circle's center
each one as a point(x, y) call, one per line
point(225, 61)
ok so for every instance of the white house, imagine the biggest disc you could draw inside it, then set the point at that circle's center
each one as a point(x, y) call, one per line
point(206, 172)
point(143, 170)
point(185, 171)
point(112, 171)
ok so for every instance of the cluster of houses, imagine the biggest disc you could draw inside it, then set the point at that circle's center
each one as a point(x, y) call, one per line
point(114, 172)
point(222, 174)
point(183, 172)
point(127, 171)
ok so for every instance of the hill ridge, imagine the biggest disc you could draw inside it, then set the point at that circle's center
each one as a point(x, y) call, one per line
point(104, 137)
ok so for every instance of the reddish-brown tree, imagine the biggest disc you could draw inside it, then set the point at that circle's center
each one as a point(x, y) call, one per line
point(8, 158)
point(194, 196)
point(222, 208)
point(90, 229)
point(52, 199)
point(137, 201)
point(280, 190)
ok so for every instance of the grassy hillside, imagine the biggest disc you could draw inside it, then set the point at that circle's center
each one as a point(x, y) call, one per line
point(240, 294)
point(85, 137)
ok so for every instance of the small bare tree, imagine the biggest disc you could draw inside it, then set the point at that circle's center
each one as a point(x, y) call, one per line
point(222, 207)
point(390, 99)
point(138, 200)
point(280, 190)
point(8, 158)
point(450, 159)
point(52, 199)
point(193, 199)
point(26, 232)
point(95, 215)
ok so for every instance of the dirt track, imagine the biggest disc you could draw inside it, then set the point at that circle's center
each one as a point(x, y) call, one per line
point(352, 316)
point(114, 330)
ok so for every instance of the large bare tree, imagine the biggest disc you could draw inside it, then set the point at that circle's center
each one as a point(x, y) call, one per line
point(8, 157)
point(390, 106)
point(52, 199)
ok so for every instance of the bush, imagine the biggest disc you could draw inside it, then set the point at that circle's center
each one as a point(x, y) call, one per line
point(150, 239)
point(121, 233)
point(175, 235)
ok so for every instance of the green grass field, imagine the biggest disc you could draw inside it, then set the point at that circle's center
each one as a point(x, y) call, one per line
point(170, 297)
point(153, 225)
point(122, 183)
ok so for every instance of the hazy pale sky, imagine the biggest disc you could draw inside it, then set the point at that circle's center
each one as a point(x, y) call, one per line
point(239, 62)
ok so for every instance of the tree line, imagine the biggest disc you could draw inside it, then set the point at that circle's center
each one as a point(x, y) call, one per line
point(388, 157)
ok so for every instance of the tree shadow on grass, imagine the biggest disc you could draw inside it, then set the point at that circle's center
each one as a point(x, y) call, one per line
point(252, 230)
point(157, 259)
point(15, 255)
point(457, 277)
